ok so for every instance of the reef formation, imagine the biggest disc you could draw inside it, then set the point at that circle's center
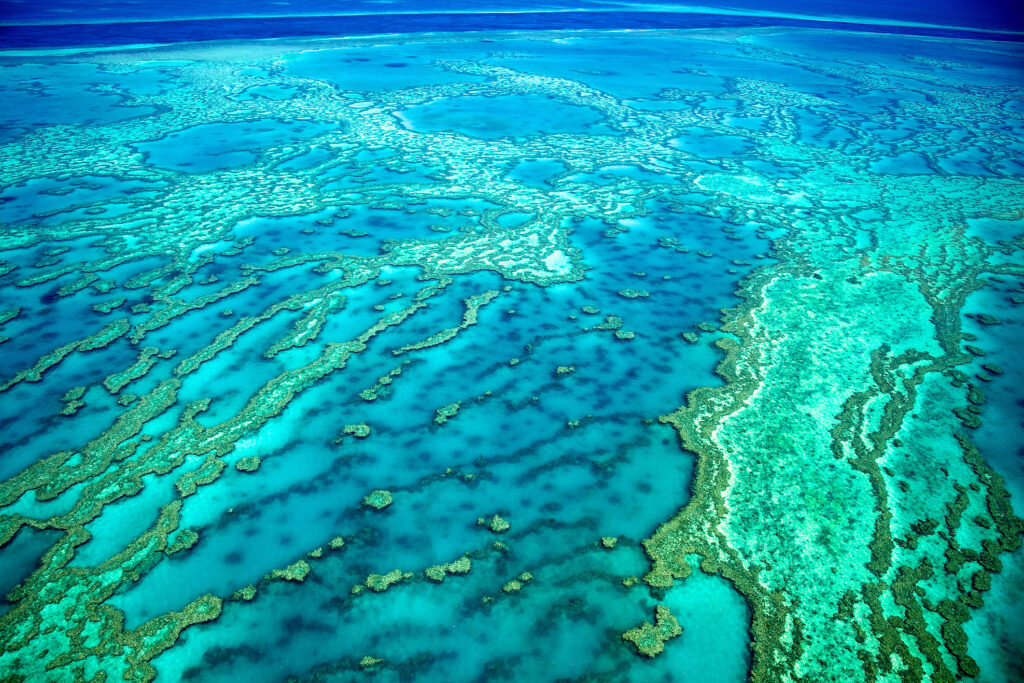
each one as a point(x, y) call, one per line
point(836, 485)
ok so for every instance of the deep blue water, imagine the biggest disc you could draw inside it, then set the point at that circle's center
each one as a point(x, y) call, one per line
point(987, 14)
point(25, 24)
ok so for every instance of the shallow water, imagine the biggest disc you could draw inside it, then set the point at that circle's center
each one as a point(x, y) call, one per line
point(701, 324)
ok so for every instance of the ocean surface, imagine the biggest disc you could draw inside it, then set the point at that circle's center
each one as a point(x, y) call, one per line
point(71, 23)
point(528, 341)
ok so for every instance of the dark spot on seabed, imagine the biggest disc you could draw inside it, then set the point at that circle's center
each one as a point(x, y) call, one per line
point(397, 65)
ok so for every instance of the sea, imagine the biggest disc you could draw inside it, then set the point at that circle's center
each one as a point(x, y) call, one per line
point(511, 341)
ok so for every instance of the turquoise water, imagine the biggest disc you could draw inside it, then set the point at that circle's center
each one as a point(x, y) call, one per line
point(503, 116)
point(698, 314)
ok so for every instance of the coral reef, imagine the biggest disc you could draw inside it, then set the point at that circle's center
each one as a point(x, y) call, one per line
point(249, 463)
point(838, 485)
point(649, 639)
point(378, 499)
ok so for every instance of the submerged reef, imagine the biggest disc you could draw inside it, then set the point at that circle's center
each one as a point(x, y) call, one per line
point(497, 524)
point(226, 265)
point(439, 571)
point(842, 407)
point(649, 639)
point(378, 499)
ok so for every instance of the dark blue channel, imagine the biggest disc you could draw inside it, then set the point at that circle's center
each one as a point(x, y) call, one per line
point(194, 30)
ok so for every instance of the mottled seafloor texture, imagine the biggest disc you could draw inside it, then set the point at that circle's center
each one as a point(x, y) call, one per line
point(619, 356)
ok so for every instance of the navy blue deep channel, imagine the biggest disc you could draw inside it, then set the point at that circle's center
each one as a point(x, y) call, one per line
point(138, 30)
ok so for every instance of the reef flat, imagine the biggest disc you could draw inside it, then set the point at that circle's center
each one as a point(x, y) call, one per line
point(493, 357)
